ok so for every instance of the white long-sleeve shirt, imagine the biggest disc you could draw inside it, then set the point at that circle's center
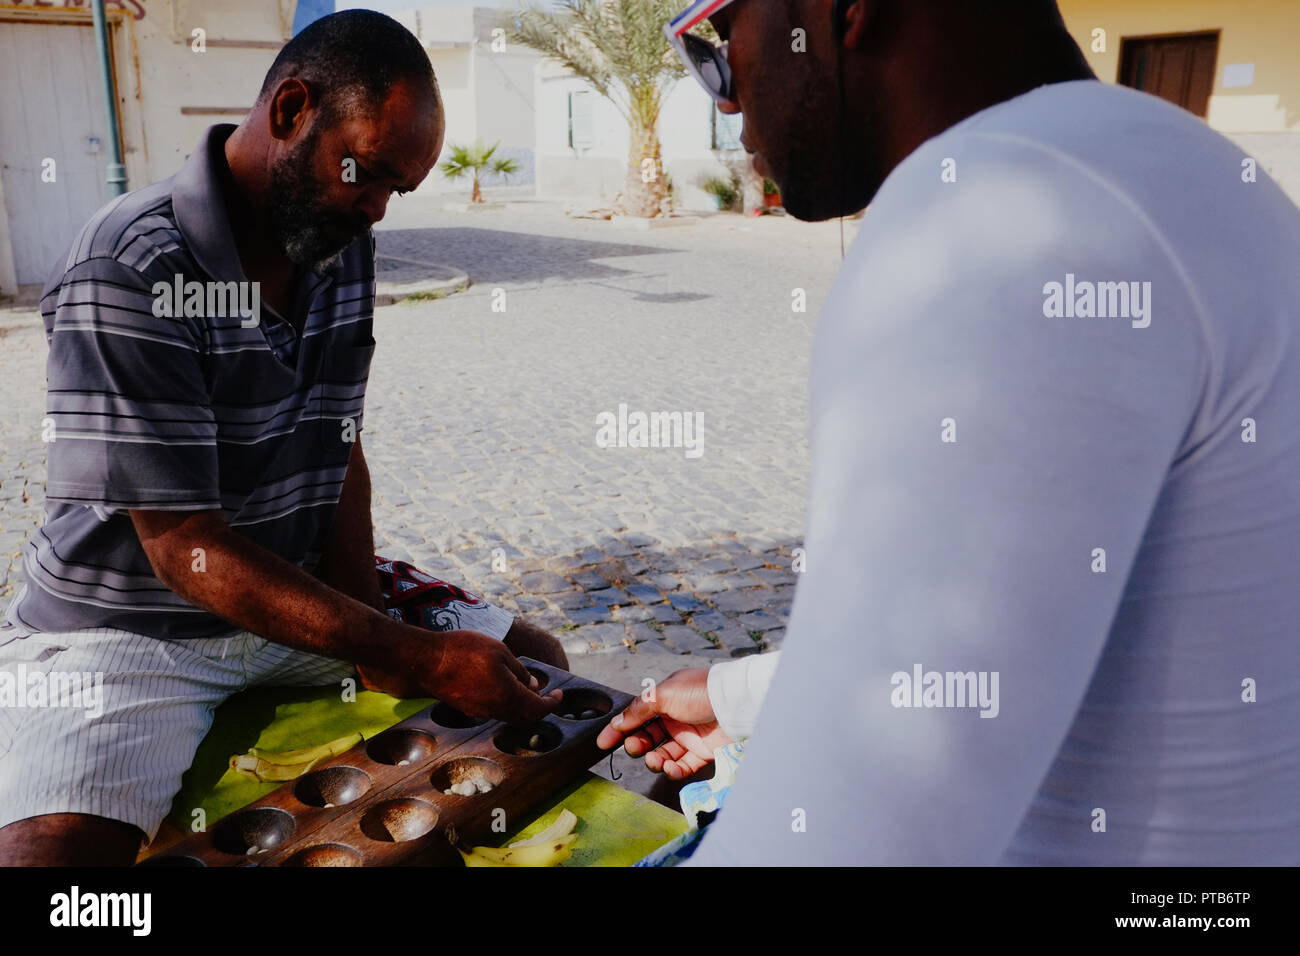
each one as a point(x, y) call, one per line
point(737, 690)
point(1100, 513)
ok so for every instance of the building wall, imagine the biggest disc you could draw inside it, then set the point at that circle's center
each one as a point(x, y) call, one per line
point(487, 93)
point(447, 35)
point(1264, 117)
point(173, 93)
point(167, 91)
point(506, 95)
point(686, 136)
point(591, 176)
point(595, 176)
point(455, 71)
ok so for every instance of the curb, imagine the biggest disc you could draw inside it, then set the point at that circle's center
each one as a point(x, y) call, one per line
point(661, 222)
point(442, 282)
point(17, 306)
point(13, 318)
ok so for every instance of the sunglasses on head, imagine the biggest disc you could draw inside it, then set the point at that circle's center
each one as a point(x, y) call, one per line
point(704, 61)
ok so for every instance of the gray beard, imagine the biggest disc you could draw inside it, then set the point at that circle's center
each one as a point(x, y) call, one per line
point(304, 241)
point(326, 264)
point(299, 219)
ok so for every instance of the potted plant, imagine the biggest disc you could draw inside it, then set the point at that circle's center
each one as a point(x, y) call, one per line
point(771, 194)
point(725, 193)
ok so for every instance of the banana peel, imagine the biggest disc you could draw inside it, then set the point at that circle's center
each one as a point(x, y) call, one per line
point(266, 766)
point(551, 847)
point(562, 827)
point(545, 854)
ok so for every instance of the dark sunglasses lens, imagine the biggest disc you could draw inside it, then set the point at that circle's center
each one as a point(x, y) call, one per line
point(705, 56)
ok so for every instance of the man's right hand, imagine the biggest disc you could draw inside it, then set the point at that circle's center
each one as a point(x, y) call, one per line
point(475, 674)
point(676, 730)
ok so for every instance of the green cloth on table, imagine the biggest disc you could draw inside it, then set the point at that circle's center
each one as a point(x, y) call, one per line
point(616, 827)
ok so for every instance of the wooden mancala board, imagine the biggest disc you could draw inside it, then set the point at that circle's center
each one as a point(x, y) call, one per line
point(382, 803)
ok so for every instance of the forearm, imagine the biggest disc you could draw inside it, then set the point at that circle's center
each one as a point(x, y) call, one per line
point(348, 564)
point(260, 592)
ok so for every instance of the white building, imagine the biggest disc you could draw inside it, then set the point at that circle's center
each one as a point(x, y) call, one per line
point(486, 82)
point(570, 142)
point(53, 142)
point(583, 140)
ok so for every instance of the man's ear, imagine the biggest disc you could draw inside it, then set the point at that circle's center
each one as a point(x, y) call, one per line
point(288, 106)
point(857, 20)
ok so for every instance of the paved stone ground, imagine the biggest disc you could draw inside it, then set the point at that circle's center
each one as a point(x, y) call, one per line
point(481, 426)
point(491, 416)
point(22, 454)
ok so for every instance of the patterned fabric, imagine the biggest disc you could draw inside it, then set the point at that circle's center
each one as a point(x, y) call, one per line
point(414, 597)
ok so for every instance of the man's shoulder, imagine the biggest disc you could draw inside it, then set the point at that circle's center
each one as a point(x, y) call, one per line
point(1065, 167)
point(131, 232)
point(1087, 118)
point(1140, 148)
point(982, 220)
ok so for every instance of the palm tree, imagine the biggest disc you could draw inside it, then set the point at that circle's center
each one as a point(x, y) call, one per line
point(618, 47)
point(466, 159)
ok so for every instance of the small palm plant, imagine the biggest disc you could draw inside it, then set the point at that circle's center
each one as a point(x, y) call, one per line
point(474, 159)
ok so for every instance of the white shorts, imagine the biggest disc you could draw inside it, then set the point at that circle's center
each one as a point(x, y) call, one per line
point(106, 722)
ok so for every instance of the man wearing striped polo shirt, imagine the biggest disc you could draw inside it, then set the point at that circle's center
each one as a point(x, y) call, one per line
point(207, 523)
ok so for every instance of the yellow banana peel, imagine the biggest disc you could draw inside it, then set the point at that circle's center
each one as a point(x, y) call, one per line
point(546, 854)
point(562, 827)
point(271, 766)
point(551, 847)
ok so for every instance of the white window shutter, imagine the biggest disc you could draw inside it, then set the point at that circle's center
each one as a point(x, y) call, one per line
point(582, 119)
point(727, 128)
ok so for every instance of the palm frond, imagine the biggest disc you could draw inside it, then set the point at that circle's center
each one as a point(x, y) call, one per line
point(469, 159)
point(617, 46)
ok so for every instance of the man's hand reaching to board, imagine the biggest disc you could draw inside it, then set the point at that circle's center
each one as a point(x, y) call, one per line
point(472, 672)
point(676, 729)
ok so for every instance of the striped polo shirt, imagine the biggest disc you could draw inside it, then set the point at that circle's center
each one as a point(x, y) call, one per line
point(164, 394)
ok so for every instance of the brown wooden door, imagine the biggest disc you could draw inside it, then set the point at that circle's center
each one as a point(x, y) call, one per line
point(1179, 69)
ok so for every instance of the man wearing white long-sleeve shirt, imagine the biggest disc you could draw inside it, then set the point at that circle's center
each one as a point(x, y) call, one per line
point(1051, 608)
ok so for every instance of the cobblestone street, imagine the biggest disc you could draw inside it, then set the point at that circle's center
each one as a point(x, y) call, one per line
point(481, 424)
